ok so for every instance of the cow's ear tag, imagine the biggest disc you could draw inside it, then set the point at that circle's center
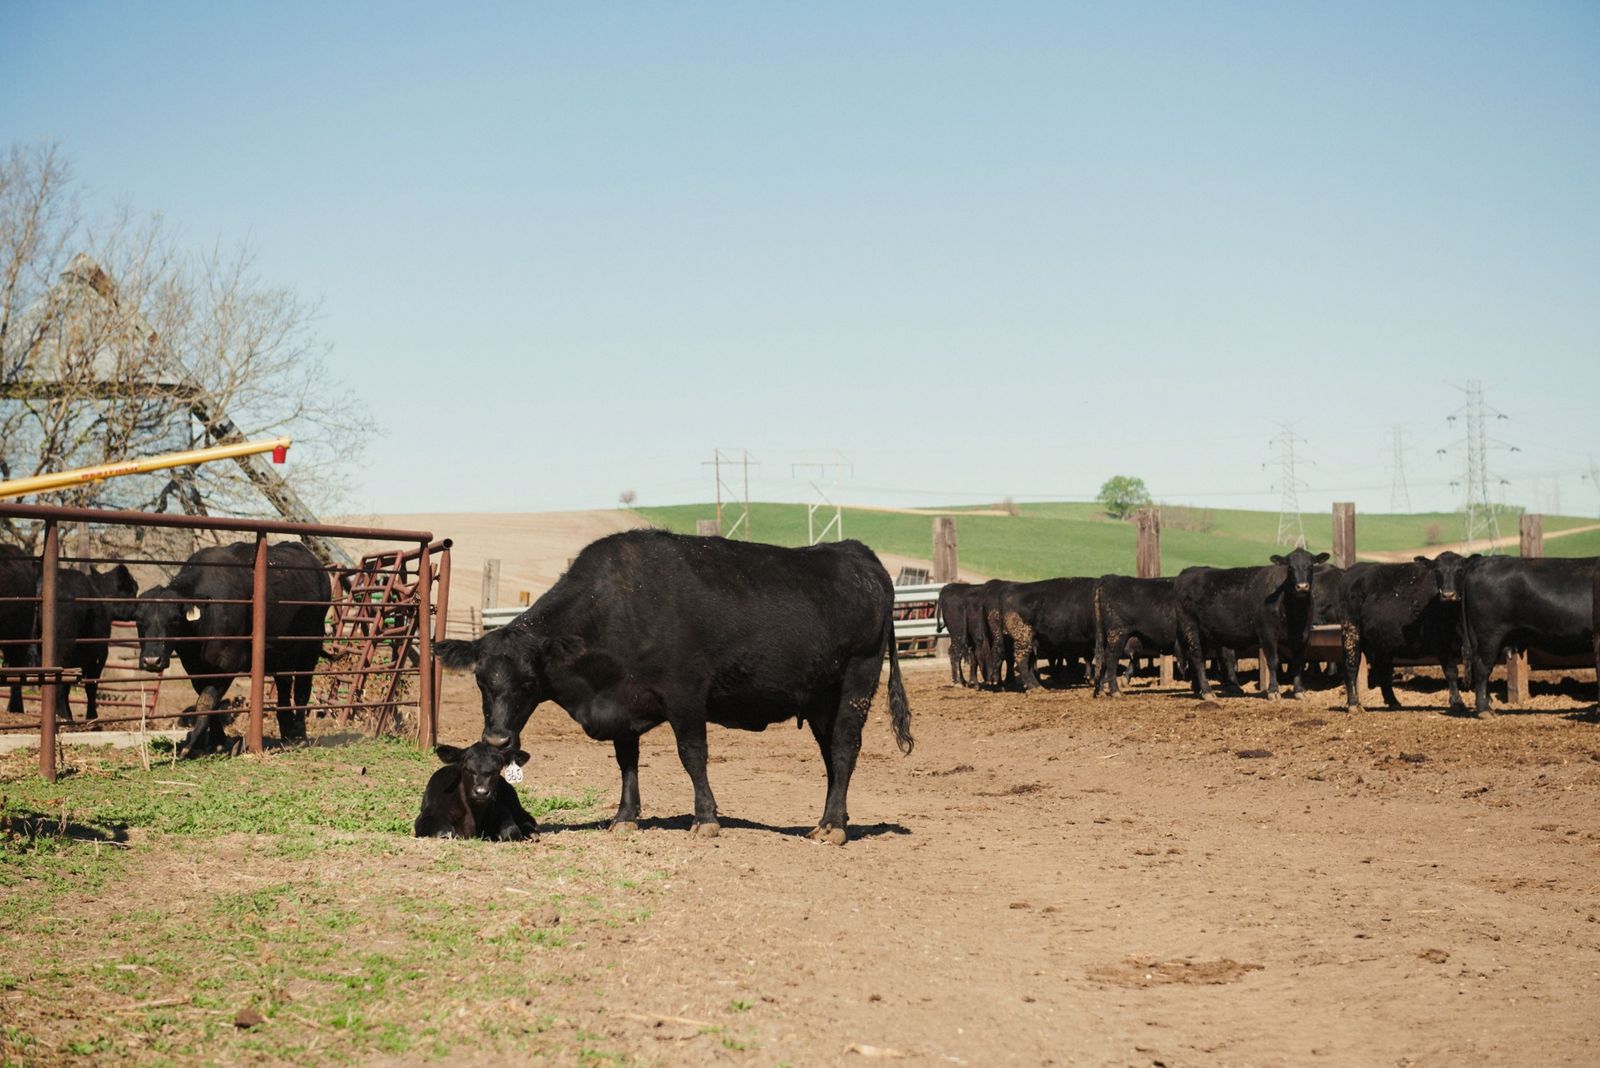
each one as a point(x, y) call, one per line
point(192, 613)
point(512, 773)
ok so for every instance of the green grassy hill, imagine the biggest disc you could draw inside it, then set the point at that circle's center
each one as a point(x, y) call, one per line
point(1052, 539)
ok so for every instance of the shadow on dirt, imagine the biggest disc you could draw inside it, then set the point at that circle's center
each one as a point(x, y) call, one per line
point(681, 823)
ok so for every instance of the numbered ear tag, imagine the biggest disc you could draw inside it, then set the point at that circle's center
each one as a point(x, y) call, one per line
point(512, 773)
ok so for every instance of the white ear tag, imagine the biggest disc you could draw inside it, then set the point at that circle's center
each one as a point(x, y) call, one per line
point(512, 773)
point(192, 613)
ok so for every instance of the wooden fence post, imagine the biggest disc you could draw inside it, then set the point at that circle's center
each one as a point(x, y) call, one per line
point(1531, 544)
point(491, 584)
point(946, 566)
point(706, 528)
point(1344, 533)
point(1147, 564)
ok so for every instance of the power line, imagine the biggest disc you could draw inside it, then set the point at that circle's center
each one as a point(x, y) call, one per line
point(1399, 494)
point(821, 498)
point(739, 496)
point(1290, 530)
point(1481, 516)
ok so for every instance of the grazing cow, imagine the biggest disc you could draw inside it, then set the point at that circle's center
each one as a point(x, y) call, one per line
point(212, 636)
point(648, 627)
point(19, 582)
point(1053, 618)
point(1268, 608)
point(1393, 611)
point(469, 798)
point(1515, 603)
point(1140, 613)
point(951, 615)
point(85, 607)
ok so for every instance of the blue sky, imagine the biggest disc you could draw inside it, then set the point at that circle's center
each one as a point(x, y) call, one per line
point(981, 250)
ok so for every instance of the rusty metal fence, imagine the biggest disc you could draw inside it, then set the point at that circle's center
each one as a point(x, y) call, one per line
point(376, 660)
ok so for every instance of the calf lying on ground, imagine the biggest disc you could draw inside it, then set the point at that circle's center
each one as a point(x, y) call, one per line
point(468, 798)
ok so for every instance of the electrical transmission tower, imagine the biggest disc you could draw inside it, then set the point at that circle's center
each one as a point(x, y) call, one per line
point(722, 463)
point(1593, 477)
point(823, 479)
point(1290, 530)
point(1480, 515)
point(1399, 495)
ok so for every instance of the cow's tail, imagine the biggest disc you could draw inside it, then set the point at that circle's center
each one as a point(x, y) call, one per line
point(899, 707)
point(938, 613)
point(1095, 666)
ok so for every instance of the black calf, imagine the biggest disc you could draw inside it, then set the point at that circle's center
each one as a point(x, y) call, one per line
point(468, 797)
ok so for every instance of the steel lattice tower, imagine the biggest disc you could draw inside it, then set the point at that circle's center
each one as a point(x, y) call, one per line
point(1481, 517)
point(1291, 532)
point(1399, 494)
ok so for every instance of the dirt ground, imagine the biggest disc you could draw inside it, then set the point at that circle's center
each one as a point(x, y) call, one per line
point(1047, 879)
point(1054, 880)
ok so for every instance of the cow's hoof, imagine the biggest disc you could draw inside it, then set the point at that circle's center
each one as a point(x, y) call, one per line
point(1274, 695)
point(623, 826)
point(829, 835)
point(1354, 708)
point(1297, 696)
point(706, 829)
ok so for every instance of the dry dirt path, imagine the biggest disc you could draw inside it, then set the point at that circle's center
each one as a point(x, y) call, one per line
point(1466, 548)
point(1053, 880)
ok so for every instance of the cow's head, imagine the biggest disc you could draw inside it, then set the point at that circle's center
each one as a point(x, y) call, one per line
point(119, 583)
point(1302, 566)
point(480, 765)
point(161, 618)
point(513, 667)
point(1448, 571)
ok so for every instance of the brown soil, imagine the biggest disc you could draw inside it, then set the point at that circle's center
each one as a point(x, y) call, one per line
point(1051, 879)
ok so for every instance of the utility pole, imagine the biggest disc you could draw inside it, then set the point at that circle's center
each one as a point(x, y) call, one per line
point(1290, 530)
point(817, 475)
point(721, 458)
point(1480, 515)
point(1593, 477)
point(1399, 494)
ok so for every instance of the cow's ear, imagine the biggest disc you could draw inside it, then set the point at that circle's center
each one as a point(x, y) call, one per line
point(448, 754)
point(1421, 560)
point(520, 757)
point(1320, 558)
point(456, 653)
point(562, 650)
point(126, 584)
point(1276, 559)
point(192, 613)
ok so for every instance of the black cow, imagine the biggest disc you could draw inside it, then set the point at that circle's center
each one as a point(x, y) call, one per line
point(1268, 608)
point(85, 607)
point(1392, 611)
point(648, 627)
point(1140, 614)
point(469, 798)
point(1516, 603)
point(19, 582)
point(212, 638)
point(1053, 618)
point(954, 612)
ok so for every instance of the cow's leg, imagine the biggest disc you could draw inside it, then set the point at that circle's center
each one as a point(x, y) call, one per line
point(691, 735)
point(1484, 655)
point(302, 697)
point(1384, 666)
point(839, 738)
point(1452, 678)
point(201, 738)
point(1189, 638)
point(1297, 673)
point(627, 817)
point(1116, 645)
point(1350, 645)
point(1022, 651)
point(91, 694)
point(1268, 652)
point(291, 721)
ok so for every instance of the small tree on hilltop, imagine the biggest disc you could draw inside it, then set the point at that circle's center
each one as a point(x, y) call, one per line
point(626, 498)
point(1121, 494)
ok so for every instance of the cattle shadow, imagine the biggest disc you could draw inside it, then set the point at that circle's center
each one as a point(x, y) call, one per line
point(683, 823)
point(21, 828)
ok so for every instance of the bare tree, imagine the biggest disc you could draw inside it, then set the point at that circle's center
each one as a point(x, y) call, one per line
point(135, 346)
point(626, 498)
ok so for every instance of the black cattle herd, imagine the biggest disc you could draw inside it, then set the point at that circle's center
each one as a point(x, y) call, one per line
point(647, 628)
point(1449, 609)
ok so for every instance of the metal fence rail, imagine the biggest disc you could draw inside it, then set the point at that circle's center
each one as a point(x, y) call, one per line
point(381, 621)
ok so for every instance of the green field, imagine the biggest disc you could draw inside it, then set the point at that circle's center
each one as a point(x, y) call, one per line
point(1050, 539)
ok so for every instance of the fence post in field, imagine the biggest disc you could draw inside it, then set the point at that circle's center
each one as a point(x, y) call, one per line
point(50, 563)
point(428, 727)
point(491, 584)
point(1344, 533)
point(1531, 545)
point(945, 565)
point(706, 528)
point(1147, 564)
point(258, 647)
point(427, 709)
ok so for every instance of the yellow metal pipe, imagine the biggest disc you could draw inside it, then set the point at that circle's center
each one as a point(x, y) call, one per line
point(63, 479)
